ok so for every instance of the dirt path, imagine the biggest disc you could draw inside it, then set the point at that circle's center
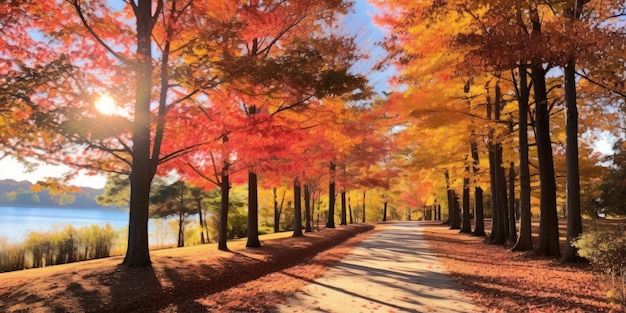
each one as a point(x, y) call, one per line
point(391, 271)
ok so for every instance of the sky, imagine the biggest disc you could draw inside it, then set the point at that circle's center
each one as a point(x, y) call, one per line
point(12, 169)
point(359, 23)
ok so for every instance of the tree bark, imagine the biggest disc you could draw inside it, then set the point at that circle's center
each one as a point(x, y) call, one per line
point(308, 225)
point(496, 172)
point(466, 223)
point(143, 167)
point(223, 224)
point(574, 219)
point(181, 230)
point(198, 197)
point(524, 241)
point(479, 229)
point(454, 218)
point(498, 197)
point(343, 208)
point(493, 199)
point(330, 223)
point(363, 217)
point(479, 210)
point(253, 212)
point(276, 212)
point(297, 209)
point(439, 212)
point(548, 244)
point(350, 210)
point(455, 215)
point(385, 211)
point(512, 218)
point(501, 231)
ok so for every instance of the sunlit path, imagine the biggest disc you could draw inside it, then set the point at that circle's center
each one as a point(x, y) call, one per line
point(391, 271)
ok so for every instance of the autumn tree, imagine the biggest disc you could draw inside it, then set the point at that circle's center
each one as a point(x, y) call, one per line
point(102, 45)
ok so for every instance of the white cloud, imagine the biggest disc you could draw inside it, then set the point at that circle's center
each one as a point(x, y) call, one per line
point(10, 168)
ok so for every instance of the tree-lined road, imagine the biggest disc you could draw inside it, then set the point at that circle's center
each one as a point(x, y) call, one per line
point(391, 271)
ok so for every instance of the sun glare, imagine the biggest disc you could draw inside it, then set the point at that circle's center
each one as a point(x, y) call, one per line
point(106, 105)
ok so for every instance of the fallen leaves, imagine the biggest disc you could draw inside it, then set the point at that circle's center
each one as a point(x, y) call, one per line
point(192, 279)
point(503, 281)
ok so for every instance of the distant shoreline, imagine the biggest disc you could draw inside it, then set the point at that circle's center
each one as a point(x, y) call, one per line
point(108, 208)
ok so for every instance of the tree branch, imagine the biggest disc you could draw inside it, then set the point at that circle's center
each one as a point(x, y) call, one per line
point(83, 19)
point(619, 93)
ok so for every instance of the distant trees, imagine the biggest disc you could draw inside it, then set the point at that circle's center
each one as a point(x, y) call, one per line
point(173, 199)
point(23, 193)
point(613, 188)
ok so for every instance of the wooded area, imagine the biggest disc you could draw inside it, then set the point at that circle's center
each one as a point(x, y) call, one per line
point(22, 193)
point(176, 100)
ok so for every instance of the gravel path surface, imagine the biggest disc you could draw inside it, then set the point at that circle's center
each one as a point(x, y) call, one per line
point(391, 271)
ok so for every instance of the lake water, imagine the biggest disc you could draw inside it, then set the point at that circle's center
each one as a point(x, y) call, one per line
point(16, 222)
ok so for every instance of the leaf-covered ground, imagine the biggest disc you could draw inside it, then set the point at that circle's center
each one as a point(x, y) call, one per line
point(503, 281)
point(204, 279)
point(192, 279)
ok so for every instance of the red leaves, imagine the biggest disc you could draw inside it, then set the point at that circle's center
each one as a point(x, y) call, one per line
point(502, 281)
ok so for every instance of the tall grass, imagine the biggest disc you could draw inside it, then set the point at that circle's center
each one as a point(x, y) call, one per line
point(58, 246)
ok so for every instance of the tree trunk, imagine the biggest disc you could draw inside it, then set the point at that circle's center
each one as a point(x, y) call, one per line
point(319, 206)
point(203, 239)
point(493, 200)
point(548, 244)
point(524, 241)
point(297, 209)
point(455, 213)
point(253, 212)
point(466, 225)
point(330, 223)
point(350, 210)
point(512, 218)
point(181, 231)
point(479, 229)
point(574, 219)
point(143, 168)
point(498, 198)
point(502, 208)
point(343, 209)
point(385, 211)
point(498, 180)
point(223, 224)
point(308, 225)
point(454, 218)
point(363, 217)
point(479, 210)
point(276, 212)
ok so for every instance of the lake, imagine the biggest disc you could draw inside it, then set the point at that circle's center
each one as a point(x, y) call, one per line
point(16, 222)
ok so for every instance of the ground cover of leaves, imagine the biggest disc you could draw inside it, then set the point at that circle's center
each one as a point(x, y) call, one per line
point(192, 279)
point(503, 281)
point(204, 279)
